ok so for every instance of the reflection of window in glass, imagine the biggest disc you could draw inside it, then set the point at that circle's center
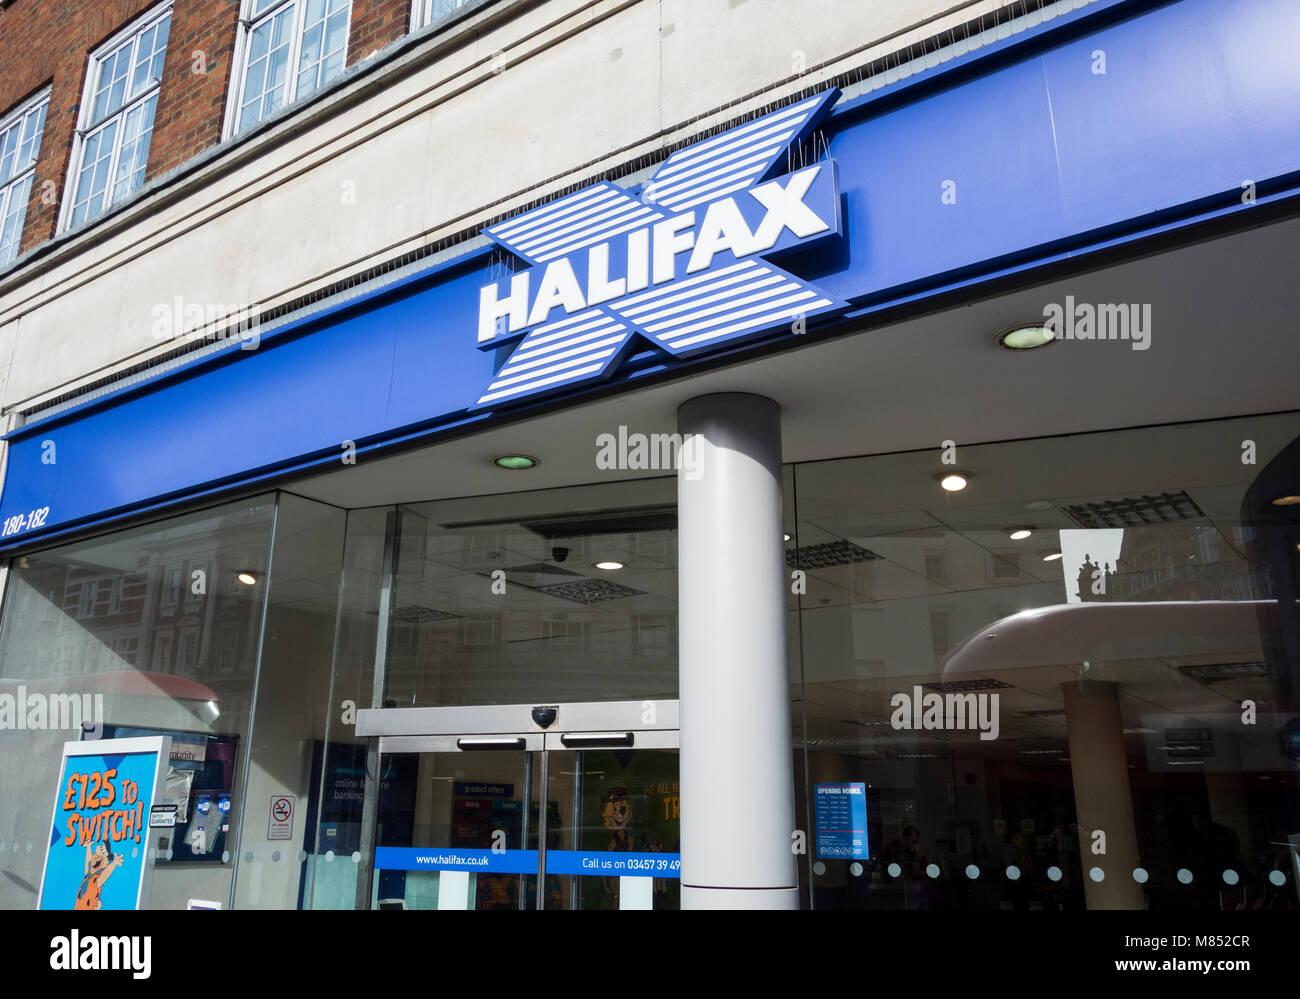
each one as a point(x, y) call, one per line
point(243, 562)
point(125, 650)
point(1006, 565)
point(229, 654)
point(189, 657)
point(654, 636)
point(20, 144)
point(116, 122)
point(936, 567)
point(480, 631)
point(171, 592)
point(288, 48)
point(89, 592)
point(115, 596)
point(653, 546)
point(564, 632)
point(940, 630)
point(162, 653)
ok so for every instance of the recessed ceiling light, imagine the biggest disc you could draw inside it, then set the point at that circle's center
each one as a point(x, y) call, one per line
point(787, 537)
point(1286, 501)
point(1050, 554)
point(1019, 533)
point(247, 578)
point(608, 566)
point(954, 481)
point(1025, 337)
point(515, 462)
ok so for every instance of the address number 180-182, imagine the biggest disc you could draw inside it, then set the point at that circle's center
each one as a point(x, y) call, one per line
point(24, 522)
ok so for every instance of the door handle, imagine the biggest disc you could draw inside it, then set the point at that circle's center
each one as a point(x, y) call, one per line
point(595, 740)
point(490, 743)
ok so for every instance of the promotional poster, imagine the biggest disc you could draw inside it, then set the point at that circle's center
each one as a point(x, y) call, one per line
point(97, 856)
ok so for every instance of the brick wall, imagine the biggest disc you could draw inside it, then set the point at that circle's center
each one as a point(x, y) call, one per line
point(376, 23)
point(196, 79)
point(48, 43)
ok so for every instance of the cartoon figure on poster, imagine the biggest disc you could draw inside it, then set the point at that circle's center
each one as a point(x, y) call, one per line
point(616, 815)
point(100, 863)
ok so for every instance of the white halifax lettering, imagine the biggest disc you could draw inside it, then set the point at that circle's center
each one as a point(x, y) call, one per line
point(651, 254)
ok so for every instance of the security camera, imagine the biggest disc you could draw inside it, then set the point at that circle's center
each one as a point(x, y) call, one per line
point(544, 715)
point(559, 553)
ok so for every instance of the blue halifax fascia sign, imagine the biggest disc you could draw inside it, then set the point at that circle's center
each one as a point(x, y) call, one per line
point(816, 218)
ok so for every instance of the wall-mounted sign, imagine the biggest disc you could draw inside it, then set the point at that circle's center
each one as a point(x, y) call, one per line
point(679, 263)
point(280, 823)
point(98, 853)
point(841, 814)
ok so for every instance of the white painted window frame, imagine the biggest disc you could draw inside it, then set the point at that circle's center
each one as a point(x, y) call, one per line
point(135, 29)
point(422, 13)
point(16, 116)
point(239, 67)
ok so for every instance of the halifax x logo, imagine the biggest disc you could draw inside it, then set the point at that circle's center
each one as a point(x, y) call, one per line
point(686, 252)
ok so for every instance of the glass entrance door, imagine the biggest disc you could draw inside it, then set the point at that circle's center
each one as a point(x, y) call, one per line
point(460, 824)
point(619, 839)
point(457, 822)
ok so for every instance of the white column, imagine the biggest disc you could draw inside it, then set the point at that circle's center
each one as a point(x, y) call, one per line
point(737, 781)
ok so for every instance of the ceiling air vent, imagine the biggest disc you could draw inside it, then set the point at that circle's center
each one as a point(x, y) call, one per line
point(950, 686)
point(1156, 508)
point(590, 591)
point(831, 553)
point(1211, 673)
point(421, 615)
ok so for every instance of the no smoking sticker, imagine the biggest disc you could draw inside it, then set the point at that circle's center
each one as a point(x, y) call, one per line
point(280, 825)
